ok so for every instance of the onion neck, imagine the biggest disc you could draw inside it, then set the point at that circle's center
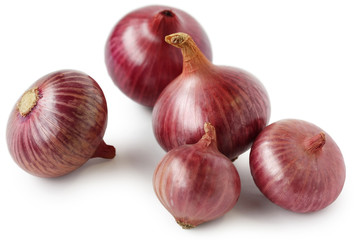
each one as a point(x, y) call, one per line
point(163, 22)
point(28, 101)
point(104, 151)
point(315, 143)
point(209, 138)
point(193, 58)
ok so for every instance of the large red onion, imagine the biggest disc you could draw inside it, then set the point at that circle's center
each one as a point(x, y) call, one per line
point(139, 61)
point(297, 165)
point(58, 124)
point(234, 101)
point(196, 183)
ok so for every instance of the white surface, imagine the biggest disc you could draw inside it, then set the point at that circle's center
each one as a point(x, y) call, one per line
point(307, 54)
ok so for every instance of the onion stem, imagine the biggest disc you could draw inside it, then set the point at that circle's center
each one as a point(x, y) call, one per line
point(193, 58)
point(104, 151)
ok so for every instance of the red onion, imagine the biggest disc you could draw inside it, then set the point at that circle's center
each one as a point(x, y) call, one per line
point(234, 101)
point(58, 124)
point(139, 61)
point(297, 165)
point(196, 183)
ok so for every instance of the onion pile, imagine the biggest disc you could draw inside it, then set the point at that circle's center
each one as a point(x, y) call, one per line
point(58, 124)
point(138, 60)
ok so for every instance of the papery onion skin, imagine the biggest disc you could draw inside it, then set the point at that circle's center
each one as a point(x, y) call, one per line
point(63, 129)
point(233, 100)
point(196, 183)
point(297, 165)
point(138, 60)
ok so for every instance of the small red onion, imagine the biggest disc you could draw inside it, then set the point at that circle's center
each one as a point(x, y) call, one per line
point(58, 124)
point(138, 60)
point(297, 165)
point(196, 183)
point(234, 101)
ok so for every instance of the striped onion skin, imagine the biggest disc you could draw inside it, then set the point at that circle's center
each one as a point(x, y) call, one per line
point(233, 100)
point(65, 127)
point(297, 165)
point(139, 61)
point(196, 183)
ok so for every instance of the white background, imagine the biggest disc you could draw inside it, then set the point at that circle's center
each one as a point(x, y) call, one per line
point(306, 53)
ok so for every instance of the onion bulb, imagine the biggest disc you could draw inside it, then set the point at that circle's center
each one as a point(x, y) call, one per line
point(138, 60)
point(233, 100)
point(196, 183)
point(297, 165)
point(58, 124)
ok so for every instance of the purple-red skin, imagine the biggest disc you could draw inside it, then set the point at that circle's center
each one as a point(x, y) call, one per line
point(297, 165)
point(139, 61)
point(64, 129)
point(196, 183)
point(233, 100)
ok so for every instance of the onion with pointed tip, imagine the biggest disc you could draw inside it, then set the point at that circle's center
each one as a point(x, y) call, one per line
point(138, 60)
point(297, 165)
point(196, 183)
point(233, 100)
point(58, 124)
